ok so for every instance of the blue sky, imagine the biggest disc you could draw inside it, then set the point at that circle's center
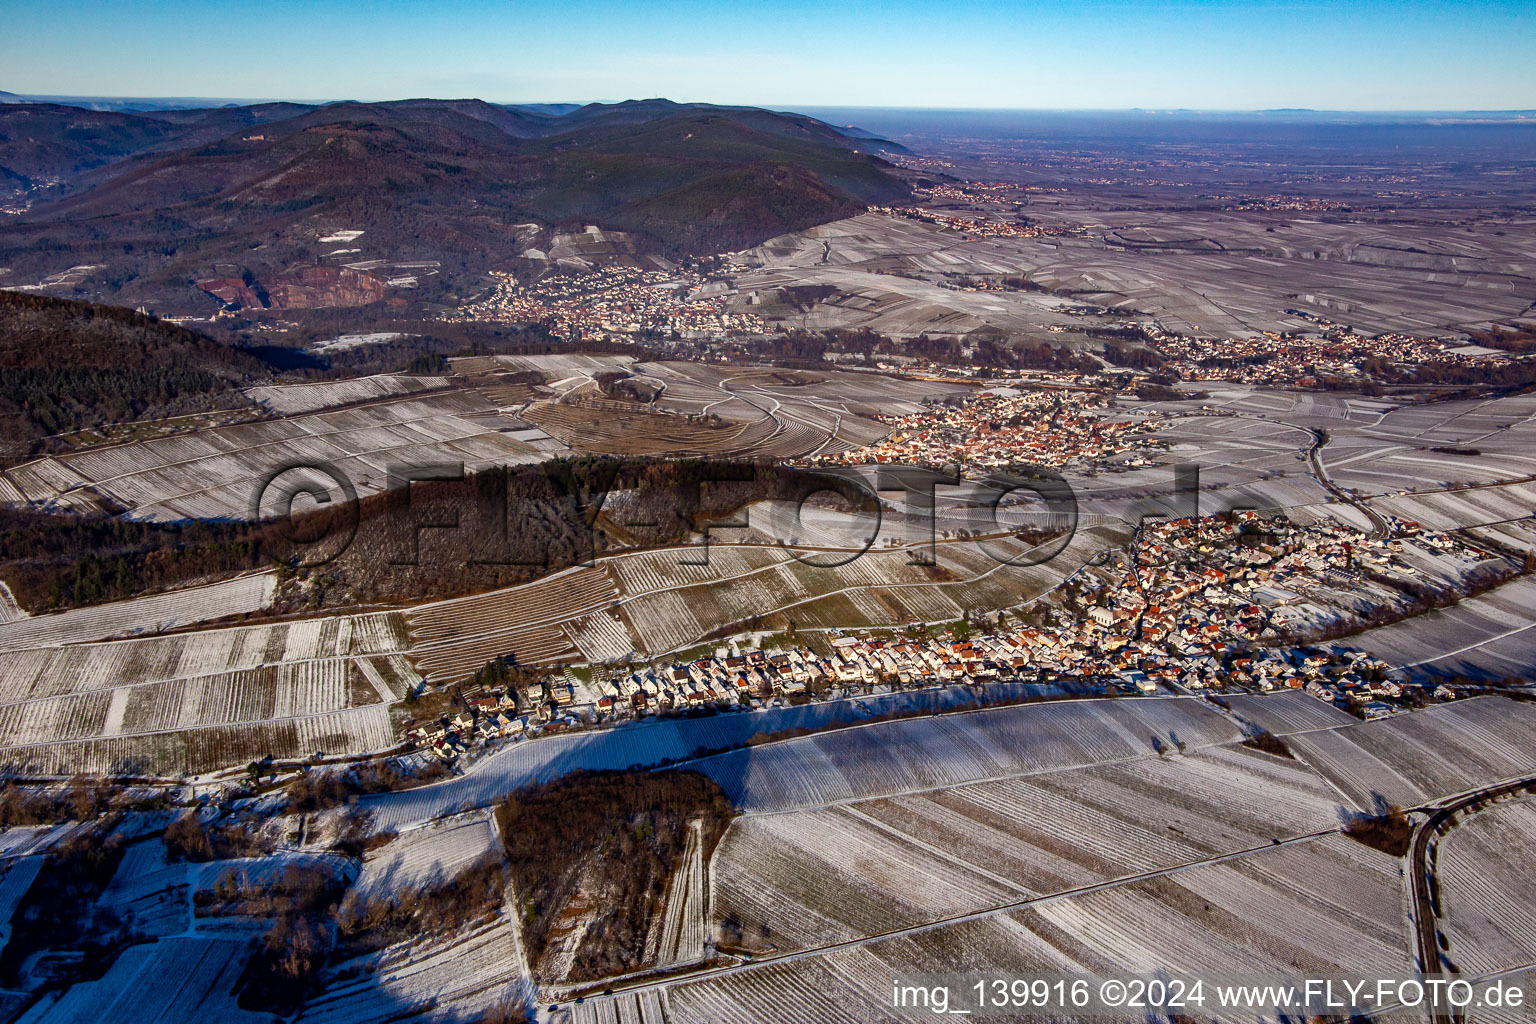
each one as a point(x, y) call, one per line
point(961, 53)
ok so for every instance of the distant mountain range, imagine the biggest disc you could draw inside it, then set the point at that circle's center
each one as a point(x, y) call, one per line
point(161, 199)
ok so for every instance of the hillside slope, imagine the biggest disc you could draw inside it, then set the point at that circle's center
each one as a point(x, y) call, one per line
point(452, 187)
point(67, 365)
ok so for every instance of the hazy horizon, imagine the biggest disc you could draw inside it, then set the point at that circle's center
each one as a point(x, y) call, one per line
point(169, 102)
point(1366, 55)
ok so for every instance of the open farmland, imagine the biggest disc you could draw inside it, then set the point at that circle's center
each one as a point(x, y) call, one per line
point(27, 840)
point(1378, 447)
point(1487, 905)
point(829, 874)
point(1410, 758)
point(1201, 272)
point(1461, 463)
point(1490, 636)
point(1244, 462)
point(1317, 907)
point(268, 869)
point(611, 429)
point(704, 409)
point(813, 412)
point(218, 472)
point(878, 263)
point(292, 399)
point(191, 702)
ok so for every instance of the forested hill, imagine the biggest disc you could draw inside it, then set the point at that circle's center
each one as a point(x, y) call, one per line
point(157, 202)
point(65, 365)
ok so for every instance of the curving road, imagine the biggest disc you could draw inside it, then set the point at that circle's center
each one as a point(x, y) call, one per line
point(1424, 917)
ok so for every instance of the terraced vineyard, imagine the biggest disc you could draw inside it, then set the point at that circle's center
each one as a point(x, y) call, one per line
point(218, 472)
point(293, 399)
point(451, 639)
point(891, 758)
point(682, 930)
point(166, 704)
point(659, 601)
point(756, 410)
point(830, 874)
point(454, 978)
point(155, 613)
point(206, 748)
point(1408, 759)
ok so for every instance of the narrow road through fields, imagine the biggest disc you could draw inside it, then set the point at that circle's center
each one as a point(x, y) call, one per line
point(1379, 528)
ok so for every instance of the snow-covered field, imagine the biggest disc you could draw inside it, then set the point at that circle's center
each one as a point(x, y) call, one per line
point(1409, 758)
point(152, 614)
point(454, 980)
point(1287, 711)
point(890, 758)
point(186, 980)
point(1488, 904)
point(424, 856)
point(834, 873)
point(923, 752)
point(9, 611)
point(190, 702)
point(292, 399)
point(1492, 636)
point(1313, 908)
point(219, 472)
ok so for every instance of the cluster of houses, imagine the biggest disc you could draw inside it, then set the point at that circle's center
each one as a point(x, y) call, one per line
point(611, 300)
point(1331, 352)
point(504, 715)
point(1199, 603)
point(751, 677)
point(977, 227)
point(1003, 426)
point(1189, 608)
